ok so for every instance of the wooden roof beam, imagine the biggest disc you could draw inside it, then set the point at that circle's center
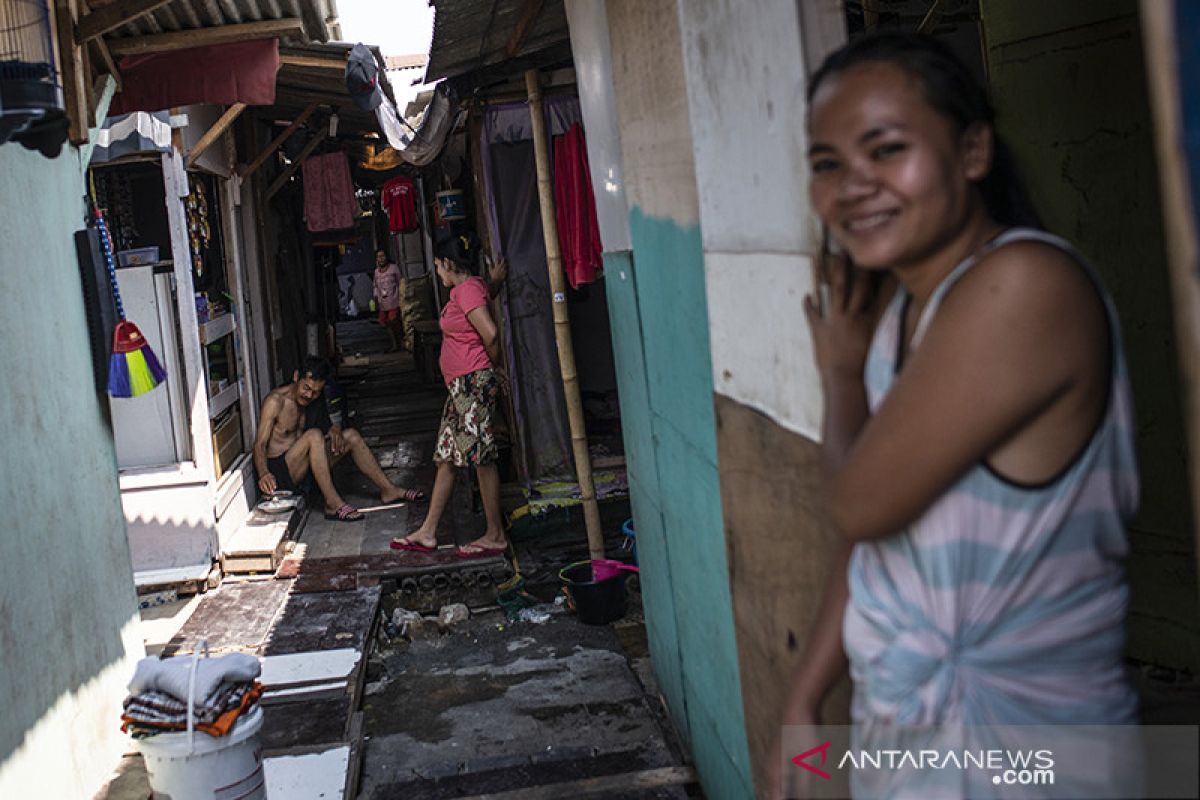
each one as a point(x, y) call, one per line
point(528, 15)
point(313, 62)
point(275, 144)
point(72, 63)
point(932, 17)
point(319, 135)
point(214, 133)
point(112, 16)
point(201, 37)
point(101, 49)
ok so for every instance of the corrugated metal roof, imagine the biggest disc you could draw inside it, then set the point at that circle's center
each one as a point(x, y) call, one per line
point(471, 34)
point(312, 68)
point(318, 16)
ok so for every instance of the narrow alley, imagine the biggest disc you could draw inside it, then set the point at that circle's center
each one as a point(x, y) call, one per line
point(542, 399)
point(397, 674)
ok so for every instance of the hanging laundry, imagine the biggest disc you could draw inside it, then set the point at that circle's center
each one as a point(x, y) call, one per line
point(578, 228)
point(329, 202)
point(399, 201)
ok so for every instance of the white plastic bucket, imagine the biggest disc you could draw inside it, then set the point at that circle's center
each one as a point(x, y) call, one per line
point(212, 768)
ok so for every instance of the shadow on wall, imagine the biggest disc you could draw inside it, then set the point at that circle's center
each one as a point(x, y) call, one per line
point(163, 543)
point(73, 660)
point(75, 663)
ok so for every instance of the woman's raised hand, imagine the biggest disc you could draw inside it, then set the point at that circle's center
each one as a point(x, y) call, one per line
point(839, 315)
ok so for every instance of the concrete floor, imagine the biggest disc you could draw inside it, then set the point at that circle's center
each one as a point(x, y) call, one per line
point(484, 706)
point(492, 706)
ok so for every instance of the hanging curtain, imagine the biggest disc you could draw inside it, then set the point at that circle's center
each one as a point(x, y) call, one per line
point(575, 208)
point(221, 74)
point(329, 203)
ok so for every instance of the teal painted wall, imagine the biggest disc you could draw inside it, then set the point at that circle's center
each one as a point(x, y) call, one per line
point(68, 610)
point(659, 318)
point(642, 467)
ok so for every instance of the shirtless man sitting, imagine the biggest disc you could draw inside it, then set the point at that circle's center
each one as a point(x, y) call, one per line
point(296, 437)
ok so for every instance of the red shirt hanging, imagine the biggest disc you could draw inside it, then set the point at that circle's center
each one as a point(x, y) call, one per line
point(399, 201)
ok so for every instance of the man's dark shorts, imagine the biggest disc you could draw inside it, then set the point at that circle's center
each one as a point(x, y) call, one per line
point(283, 478)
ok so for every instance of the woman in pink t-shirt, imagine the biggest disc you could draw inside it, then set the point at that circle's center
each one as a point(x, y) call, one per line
point(385, 287)
point(470, 349)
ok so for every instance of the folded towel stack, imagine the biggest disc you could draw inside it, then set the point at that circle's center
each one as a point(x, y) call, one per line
point(225, 689)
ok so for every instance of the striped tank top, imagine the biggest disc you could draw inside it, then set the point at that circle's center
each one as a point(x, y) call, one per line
point(1003, 603)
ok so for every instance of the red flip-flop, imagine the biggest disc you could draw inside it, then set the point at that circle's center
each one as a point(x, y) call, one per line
point(480, 551)
point(416, 547)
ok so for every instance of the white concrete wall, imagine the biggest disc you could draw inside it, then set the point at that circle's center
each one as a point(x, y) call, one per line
point(746, 71)
point(592, 52)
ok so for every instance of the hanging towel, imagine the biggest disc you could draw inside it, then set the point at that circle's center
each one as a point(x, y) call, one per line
point(578, 229)
point(329, 203)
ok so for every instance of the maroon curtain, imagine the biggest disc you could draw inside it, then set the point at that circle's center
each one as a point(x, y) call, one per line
point(221, 74)
point(329, 203)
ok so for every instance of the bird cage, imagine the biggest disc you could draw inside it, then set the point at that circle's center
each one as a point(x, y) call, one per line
point(31, 98)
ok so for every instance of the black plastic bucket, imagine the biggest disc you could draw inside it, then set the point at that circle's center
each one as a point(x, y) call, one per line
point(596, 602)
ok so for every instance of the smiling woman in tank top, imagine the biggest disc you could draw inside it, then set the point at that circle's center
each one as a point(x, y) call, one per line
point(978, 426)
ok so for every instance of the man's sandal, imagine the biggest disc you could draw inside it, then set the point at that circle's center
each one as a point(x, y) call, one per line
point(347, 513)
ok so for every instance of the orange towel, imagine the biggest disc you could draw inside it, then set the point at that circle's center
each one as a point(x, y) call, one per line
point(219, 727)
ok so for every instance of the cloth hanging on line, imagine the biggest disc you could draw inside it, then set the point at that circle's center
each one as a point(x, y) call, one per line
point(329, 203)
point(399, 201)
point(575, 208)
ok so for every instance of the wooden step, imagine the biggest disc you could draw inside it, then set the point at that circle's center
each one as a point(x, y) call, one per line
point(260, 544)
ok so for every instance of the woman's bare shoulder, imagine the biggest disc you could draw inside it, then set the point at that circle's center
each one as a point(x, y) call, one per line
point(1031, 282)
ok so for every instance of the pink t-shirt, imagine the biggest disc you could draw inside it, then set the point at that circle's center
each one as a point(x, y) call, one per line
point(387, 287)
point(462, 346)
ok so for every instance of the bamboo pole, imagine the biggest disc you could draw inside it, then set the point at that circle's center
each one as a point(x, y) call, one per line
point(562, 320)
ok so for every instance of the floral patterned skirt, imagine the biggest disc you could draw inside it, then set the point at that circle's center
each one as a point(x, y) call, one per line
point(465, 436)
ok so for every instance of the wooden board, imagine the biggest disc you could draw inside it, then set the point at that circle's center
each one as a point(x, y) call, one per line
point(287, 726)
point(340, 573)
point(310, 776)
point(234, 617)
point(309, 668)
point(324, 621)
point(259, 545)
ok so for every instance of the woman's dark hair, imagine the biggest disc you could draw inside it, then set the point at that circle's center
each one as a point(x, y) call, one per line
point(459, 251)
point(953, 92)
